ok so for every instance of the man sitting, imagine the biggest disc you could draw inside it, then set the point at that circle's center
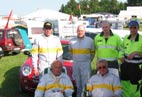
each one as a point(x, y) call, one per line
point(104, 83)
point(55, 83)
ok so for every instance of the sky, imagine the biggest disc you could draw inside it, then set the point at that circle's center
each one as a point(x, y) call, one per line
point(24, 7)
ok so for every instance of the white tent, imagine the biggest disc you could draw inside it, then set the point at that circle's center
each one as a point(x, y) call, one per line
point(47, 14)
point(131, 11)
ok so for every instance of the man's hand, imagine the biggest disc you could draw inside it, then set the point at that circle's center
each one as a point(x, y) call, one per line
point(36, 72)
point(132, 55)
point(122, 59)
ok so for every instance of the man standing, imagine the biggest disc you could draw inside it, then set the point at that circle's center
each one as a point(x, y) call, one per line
point(46, 49)
point(82, 50)
point(55, 83)
point(107, 46)
point(104, 83)
point(131, 71)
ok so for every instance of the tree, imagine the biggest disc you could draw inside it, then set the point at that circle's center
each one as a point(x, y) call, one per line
point(92, 6)
point(105, 5)
point(70, 8)
point(113, 6)
point(134, 2)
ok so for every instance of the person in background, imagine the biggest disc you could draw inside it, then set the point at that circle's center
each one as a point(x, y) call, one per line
point(131, 70)
point(107, 46)
point(46, 49)
point(82, 49)
point(55, 83)
point(104, 83)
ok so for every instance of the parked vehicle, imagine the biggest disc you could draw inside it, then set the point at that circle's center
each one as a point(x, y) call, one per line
point(11, 41)
point(24, 34)
point(28, 81)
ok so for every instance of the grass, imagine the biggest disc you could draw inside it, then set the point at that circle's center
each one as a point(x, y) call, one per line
point(9, 76)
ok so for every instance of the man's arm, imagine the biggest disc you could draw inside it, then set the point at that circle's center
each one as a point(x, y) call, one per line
point(59, 51)
point(39, 92)
point(117, 87)
point(69, 87)
point(35, 53)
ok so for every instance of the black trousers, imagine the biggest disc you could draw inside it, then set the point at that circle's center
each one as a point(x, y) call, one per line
point(131, 71)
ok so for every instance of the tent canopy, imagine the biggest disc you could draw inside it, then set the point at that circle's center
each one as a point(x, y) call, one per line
point(47, 14)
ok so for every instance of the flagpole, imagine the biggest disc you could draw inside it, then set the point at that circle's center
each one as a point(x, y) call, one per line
point(79, 10)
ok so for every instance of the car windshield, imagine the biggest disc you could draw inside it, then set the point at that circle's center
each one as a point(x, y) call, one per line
point(1, 34)
point(12, 33)
point(66, 54)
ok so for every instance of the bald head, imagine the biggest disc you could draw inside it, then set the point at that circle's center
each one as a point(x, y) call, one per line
point(81, 31)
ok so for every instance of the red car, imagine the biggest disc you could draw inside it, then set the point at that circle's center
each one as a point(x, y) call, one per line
point(11, 41)
point(28, 81)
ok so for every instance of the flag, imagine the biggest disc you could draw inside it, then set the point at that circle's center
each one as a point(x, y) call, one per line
point(70, 18)
point(6, 26)
point(78, 6)
point(79, 9)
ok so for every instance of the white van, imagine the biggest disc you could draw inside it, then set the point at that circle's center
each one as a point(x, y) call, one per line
point(34, 29)
point(66, 28)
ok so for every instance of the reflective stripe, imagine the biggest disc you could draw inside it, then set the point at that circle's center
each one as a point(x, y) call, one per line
point(108, 59)
point(89, 88)
point(80, 51)
point(115, 88)
point(57, 85)
point(34, 50)
point(41, 88)
point(105, 86)
point(134, 61)
point(45, 50)
point(107, 47)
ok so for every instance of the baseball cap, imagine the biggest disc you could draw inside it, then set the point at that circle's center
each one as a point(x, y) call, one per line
point(133, 23)
point(47, 25)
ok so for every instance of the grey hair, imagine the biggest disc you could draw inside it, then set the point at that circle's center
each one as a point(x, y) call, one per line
point(105, 22)
point(102, 61)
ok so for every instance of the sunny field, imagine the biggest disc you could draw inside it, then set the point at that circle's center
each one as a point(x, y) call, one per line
point(9, 76)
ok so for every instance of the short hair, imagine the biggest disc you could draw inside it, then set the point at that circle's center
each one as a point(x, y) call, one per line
point(102, 61)
point(105, 22)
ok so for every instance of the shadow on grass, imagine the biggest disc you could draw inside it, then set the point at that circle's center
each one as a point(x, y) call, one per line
point(10, 85)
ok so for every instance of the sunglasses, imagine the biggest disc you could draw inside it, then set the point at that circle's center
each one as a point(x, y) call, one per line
point(47, 28)
point(133, 27)
point(101, 67)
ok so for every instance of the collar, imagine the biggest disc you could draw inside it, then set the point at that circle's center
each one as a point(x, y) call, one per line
point(136, 39)
point(81, 37)
point(105, 74)
point(102, 33)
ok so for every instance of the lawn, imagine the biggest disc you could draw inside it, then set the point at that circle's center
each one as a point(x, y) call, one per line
point(9, 76)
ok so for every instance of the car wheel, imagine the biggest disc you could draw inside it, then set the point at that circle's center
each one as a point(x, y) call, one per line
point(21, 89)
point(15, 53)
point(18, 41)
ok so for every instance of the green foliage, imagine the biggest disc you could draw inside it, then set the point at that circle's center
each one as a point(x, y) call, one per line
point(92, 6)
point(9, 76)
point(134, 2)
